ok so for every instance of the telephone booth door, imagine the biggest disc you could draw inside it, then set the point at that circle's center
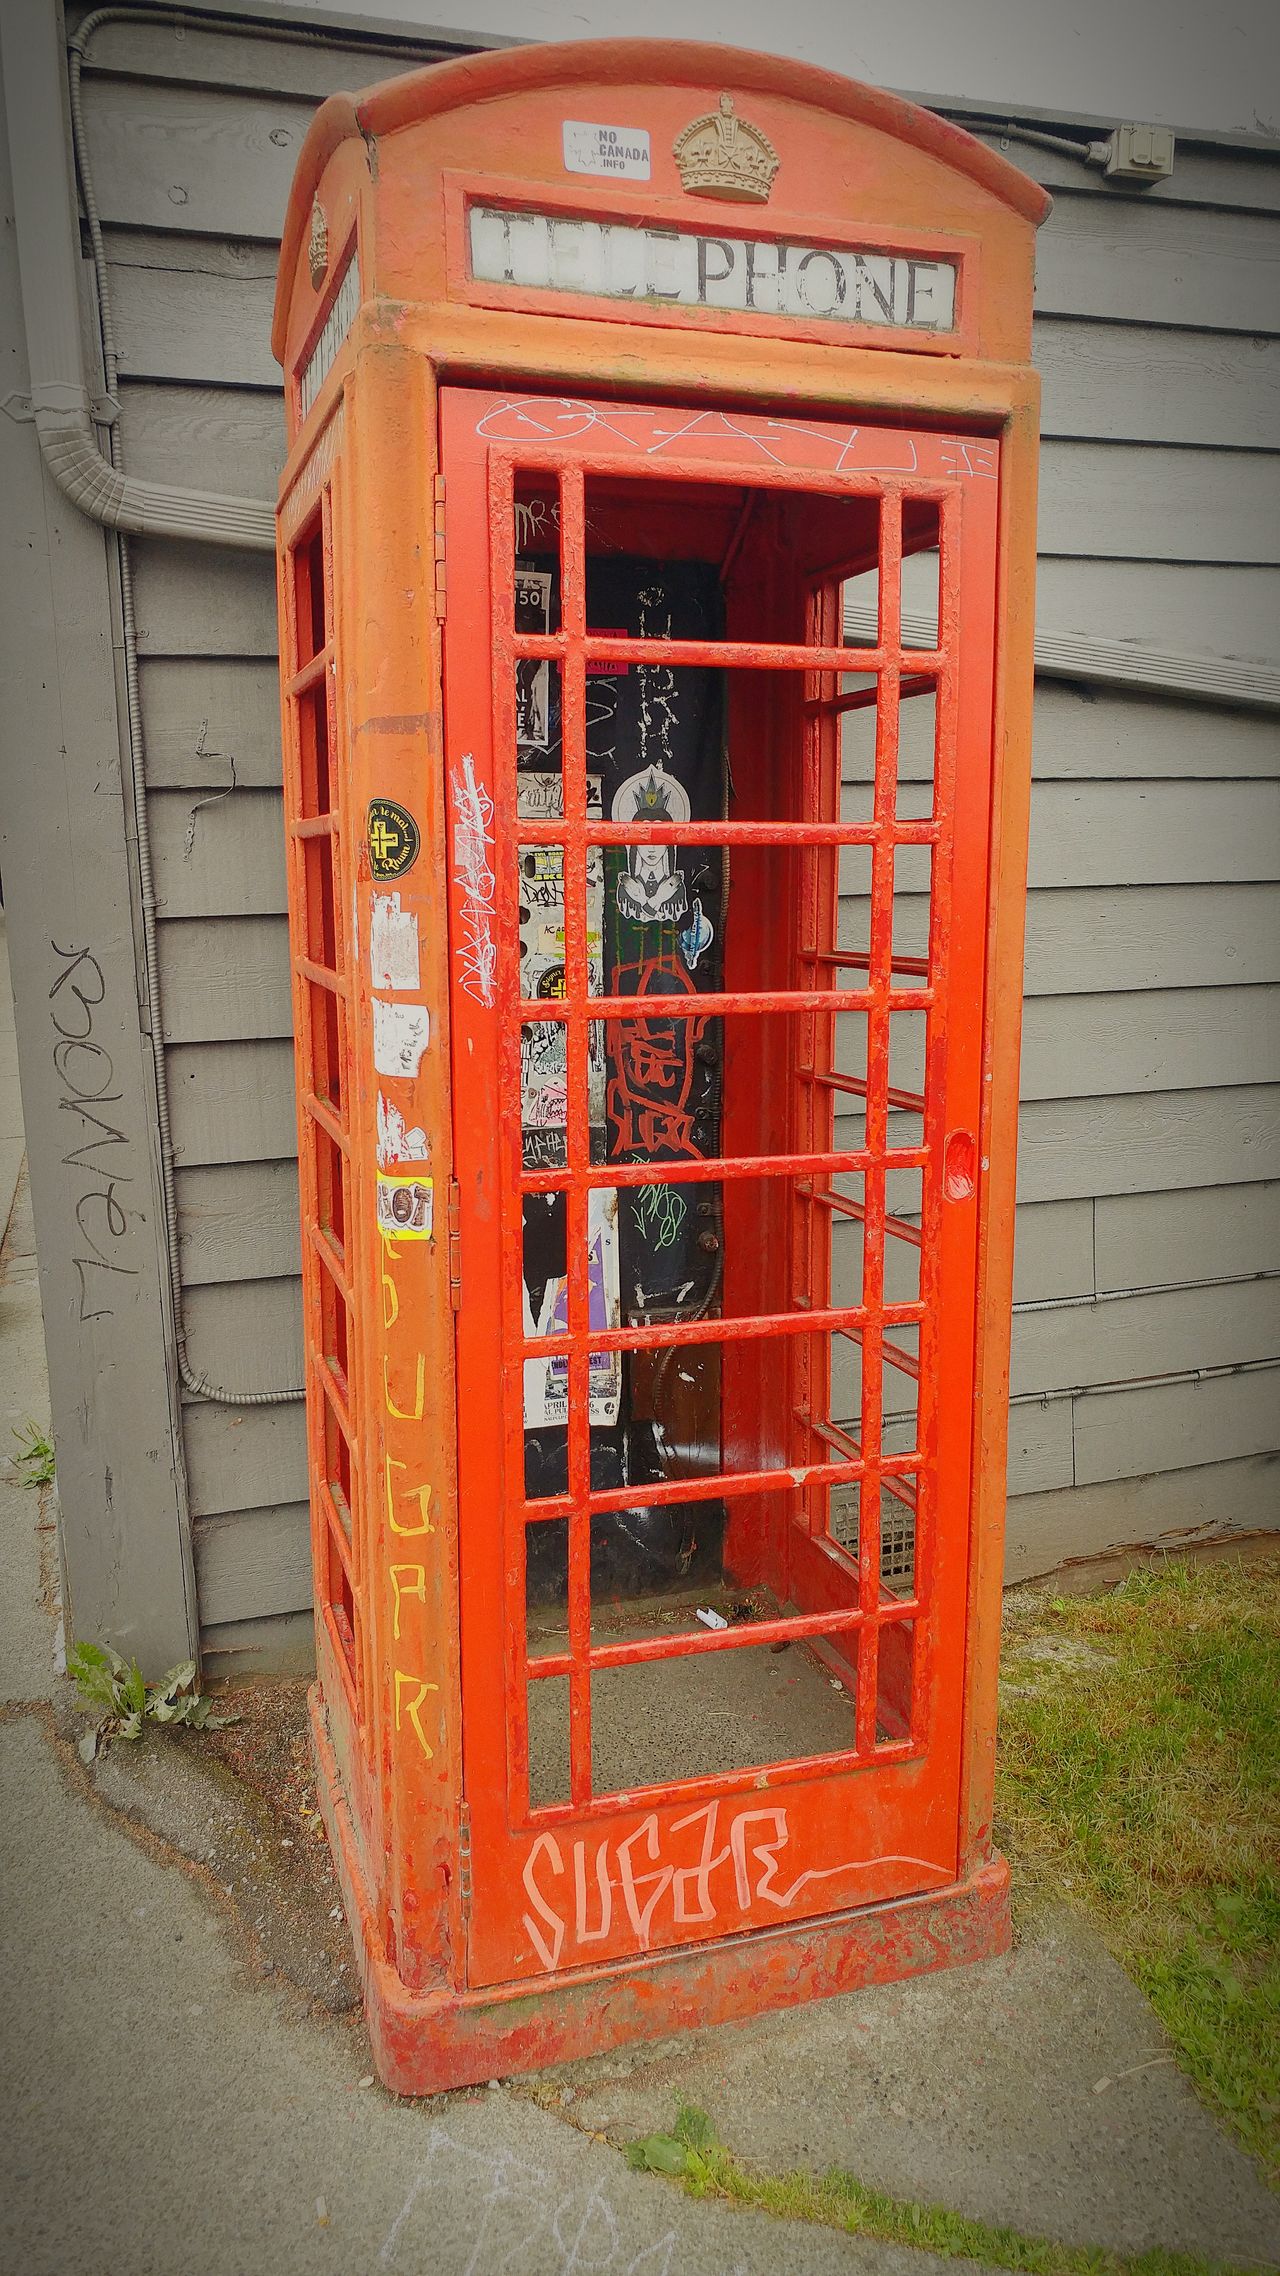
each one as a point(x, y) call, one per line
point(718, 719)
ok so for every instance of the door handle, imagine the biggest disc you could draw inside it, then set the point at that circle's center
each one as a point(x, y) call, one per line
point(959, 1166)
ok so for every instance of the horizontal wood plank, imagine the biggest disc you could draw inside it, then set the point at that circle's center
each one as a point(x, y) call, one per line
point(184, 314)
point(1115, 834)
point(199, 600)
point(1124, 1434)
point(1176, 1507)
point(1169, 1331)
point(1168, 833)
point(193, 158)
point(1040, 1456)
point(226, 980)
point(1094, 735)
point(1151, 1143)
point(221, 856)
point(211, 724)
point(258, 1651)
point(1152, 383)
point(1189, 610)
point(1153, 1040)
point(232, 1102)
point(1053, 1254)
point(243, 1457)
point(1192, 936)
point(1053, 1250)
point(1141, 264)
point(204, 55)
point(253, 1564)
point(1079, 940)
point(225, 439)
point(1209, 1232)
point(246, 1335)
point(1128, 501)
point(238, 1221)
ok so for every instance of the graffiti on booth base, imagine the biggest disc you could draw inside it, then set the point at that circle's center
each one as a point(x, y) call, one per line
point(405, 1205)
point(711, 1868)
point(393, 837)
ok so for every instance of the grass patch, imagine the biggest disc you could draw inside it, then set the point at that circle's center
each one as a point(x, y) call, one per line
point(1139, 1755)
point(691, 2155)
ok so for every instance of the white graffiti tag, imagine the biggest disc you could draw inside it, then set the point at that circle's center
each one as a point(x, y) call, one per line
point(477, 950)
point(517, 2217)
point(646, 1885)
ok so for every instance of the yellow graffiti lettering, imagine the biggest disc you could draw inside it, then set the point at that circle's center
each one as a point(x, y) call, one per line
point(406, 1414)
point(413, 1708)
point(390, 1293)
point(420, 1494)
point(414, 1585)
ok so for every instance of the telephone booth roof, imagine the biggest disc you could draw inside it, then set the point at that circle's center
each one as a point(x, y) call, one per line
point(855, 166)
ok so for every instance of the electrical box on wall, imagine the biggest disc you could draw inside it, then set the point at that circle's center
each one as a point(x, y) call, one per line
point(1139, 154)
point(656, 580)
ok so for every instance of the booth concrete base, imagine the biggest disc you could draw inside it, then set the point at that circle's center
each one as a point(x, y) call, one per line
point(427, 2042)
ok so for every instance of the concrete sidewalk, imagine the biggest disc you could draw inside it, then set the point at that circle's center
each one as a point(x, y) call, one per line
point(171, 2102)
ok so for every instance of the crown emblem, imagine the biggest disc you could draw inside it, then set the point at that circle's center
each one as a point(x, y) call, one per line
point(723, 156)
point(318, 246)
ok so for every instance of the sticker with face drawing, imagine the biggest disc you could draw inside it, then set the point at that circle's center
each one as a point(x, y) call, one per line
point(651, 890)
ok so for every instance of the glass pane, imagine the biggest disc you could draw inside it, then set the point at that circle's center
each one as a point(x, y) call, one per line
point(921, 574)
point(917, 749)
point(548, 1699)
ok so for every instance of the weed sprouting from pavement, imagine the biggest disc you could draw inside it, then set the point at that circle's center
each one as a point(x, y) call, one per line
point(34, 1461)
point(126, 1701)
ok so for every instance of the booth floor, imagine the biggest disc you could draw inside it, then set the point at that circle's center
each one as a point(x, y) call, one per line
point(685, 1717)
point(171, 2100)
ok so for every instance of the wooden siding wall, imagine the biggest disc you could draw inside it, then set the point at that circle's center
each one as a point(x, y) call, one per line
point(1147, 1343)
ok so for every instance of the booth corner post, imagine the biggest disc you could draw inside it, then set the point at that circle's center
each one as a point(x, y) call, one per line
point(657, 546)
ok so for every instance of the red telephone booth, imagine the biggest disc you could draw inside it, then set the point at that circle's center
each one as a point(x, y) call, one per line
point(657, 544)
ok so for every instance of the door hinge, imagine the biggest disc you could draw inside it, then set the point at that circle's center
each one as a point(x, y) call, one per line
point(454, 1221)
point(464, 1862)
point(441, 593)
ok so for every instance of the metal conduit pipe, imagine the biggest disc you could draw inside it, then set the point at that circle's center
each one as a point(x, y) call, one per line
point(61, 406)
